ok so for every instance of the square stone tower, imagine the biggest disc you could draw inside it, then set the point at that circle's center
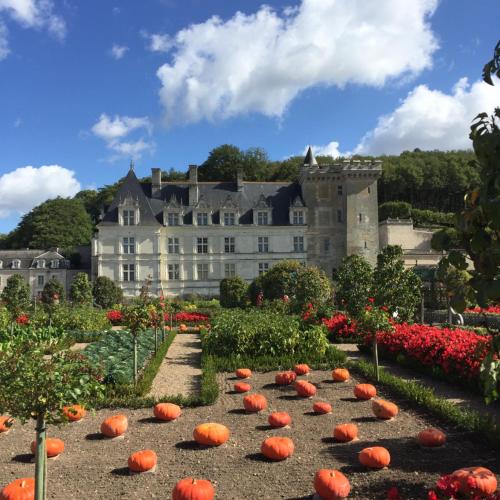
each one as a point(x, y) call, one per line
point(342, 210)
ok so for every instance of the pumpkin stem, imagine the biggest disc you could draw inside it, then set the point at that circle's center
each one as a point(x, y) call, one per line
point(23, 484)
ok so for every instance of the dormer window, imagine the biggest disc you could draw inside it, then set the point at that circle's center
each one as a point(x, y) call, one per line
point(1, 264)
point(173, 219)
point(202, 218)
point(40, 264)
point(298, 217)
point(128, 217)
point(16, 264)
point(262, 218)
point(229, 219)
point(54, 264)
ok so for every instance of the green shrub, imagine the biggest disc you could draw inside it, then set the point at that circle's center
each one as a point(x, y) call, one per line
point(4, 318)
point(394, 210)
point(81, 290)
point(233, 292)
point(84, 318)
point(53, 292)
point(106, 293)
point(16, 295)
point(312, 286)
point(261, 333)
point(280, 280)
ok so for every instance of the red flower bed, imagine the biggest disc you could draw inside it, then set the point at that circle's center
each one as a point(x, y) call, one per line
point(340, 325)
point(187, 317)
point(487, 310)
point(23, 319)
point(457, 352)
point(114, 316)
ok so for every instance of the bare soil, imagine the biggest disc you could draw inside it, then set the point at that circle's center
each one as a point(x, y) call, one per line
point(93, 468)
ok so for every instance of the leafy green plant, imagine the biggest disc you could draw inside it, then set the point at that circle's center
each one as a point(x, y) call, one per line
point(233, 292)
point(36, 387)
point(53, 292)
point(80, 291)
point(16, 295)
point(106, 293)
point(312, 286)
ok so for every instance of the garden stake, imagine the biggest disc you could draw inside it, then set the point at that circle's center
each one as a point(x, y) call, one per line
point(375, 357)
point(135, 359)
point(40, 458)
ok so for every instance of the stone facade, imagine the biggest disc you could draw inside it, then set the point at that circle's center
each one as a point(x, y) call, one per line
point(37, 267)
point(187, 236)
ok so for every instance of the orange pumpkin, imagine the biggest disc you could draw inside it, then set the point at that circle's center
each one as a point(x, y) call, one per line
point(255, 402)
point(365, 391)
point(384, 410)
point(305, 389)
point(167, 328)
point(431, 437)
point(279, 419)
point(340, 374)
point(19, 489)
point(345, 432)
point(331, 484)
point(322, 407)
point(74, 412)
point(242, 387)
point(277, 448)
point(473, 481)
point(5, 423)
point(114, 426)
point(53, 447)
point(183, 327)
point(193, 489)
point(166, 411)
point(302, 369)
point(285, 378)
point(375, 457)
point(243, 373)
point(142, 461)
point(211, 434)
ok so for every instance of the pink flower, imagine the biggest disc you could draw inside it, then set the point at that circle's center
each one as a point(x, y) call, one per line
point(371, 300)
point(431, 495)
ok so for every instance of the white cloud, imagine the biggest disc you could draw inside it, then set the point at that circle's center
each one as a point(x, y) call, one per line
point(38, 14)
point(431, 119)
point(158, 42)
point(330, 149)
point(261, 62)
point(118, 51)
point(113, 130)
point(26, 187)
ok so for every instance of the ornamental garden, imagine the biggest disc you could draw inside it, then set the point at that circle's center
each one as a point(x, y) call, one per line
point(279, 411)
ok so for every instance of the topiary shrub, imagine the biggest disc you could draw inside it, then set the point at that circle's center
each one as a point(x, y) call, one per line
point(312, 286)
point(233, 292)
point(106, 293)
point(53, 292)
point(281, 279)
point(81, 290)
point(16, 295)
point(394, 210)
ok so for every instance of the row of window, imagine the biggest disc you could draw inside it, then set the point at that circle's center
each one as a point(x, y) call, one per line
point(173, 245)
point(39, 264)
point(202, 218)
point(201, 271)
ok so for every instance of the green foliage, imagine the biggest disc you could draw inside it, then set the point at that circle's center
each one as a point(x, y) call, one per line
point(233, 292)
point(5, 317)
point(53, 292)
point(136, 317)
point(80, 291)
point(55, 223)
point(261, 333)
point(34, 385)
point(394, 210)
point(312, 286)
point(16, 295)
point(373, 319)
point(280, 280)
point(113, 354)
point(106, 293)
point(353, 284)
point(445, 239)
point(432, 218)
point(395, 287)
point(71, 318)
point(455, 281)
point(48, 338)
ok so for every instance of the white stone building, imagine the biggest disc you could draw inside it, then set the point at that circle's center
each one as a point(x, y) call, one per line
point(187, 236)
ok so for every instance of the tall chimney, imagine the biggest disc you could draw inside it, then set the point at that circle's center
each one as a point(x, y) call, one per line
point(155, 182)
point(193, 184)
point(239, 179)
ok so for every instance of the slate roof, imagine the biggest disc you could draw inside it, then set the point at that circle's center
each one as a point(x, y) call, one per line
point(278, 195)
point(28, 257)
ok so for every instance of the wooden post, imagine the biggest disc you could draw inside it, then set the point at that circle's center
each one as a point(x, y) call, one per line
point(135, 359)
point(40, 459)
point(422, 307)
point(375, 357)
point(156, 339)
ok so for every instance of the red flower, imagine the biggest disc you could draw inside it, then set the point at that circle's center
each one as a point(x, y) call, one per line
point(431, 495)
point(114, 316)
point(393, 494)
point(368, 308)
point(371, 300)
point(23, 319)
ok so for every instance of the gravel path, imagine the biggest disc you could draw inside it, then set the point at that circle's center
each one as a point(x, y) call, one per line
point(180, 371)
point(455, 394)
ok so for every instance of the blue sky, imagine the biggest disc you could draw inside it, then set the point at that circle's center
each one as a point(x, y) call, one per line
point(85, 86)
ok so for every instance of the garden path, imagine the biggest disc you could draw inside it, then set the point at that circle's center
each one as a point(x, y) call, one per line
point(461, 397)
point(180, 371)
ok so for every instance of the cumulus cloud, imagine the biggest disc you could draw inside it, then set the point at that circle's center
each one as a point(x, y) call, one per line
point(38, 14)
point(118, 51)
point(261, 62)
point(330, 149)
point(158, 42)
point(26, 187)
point(113, 130)
point(431, 119)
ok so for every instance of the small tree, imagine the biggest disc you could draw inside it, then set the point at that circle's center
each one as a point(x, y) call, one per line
point(395, 287)
point(34, 387)
point(312, 286)
point(16, 295)
point(353, 284)
point(80, 291)
point(281, 280)
point(106, 293)
point(53, 292)
point(233, 292)
point(137, 318)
